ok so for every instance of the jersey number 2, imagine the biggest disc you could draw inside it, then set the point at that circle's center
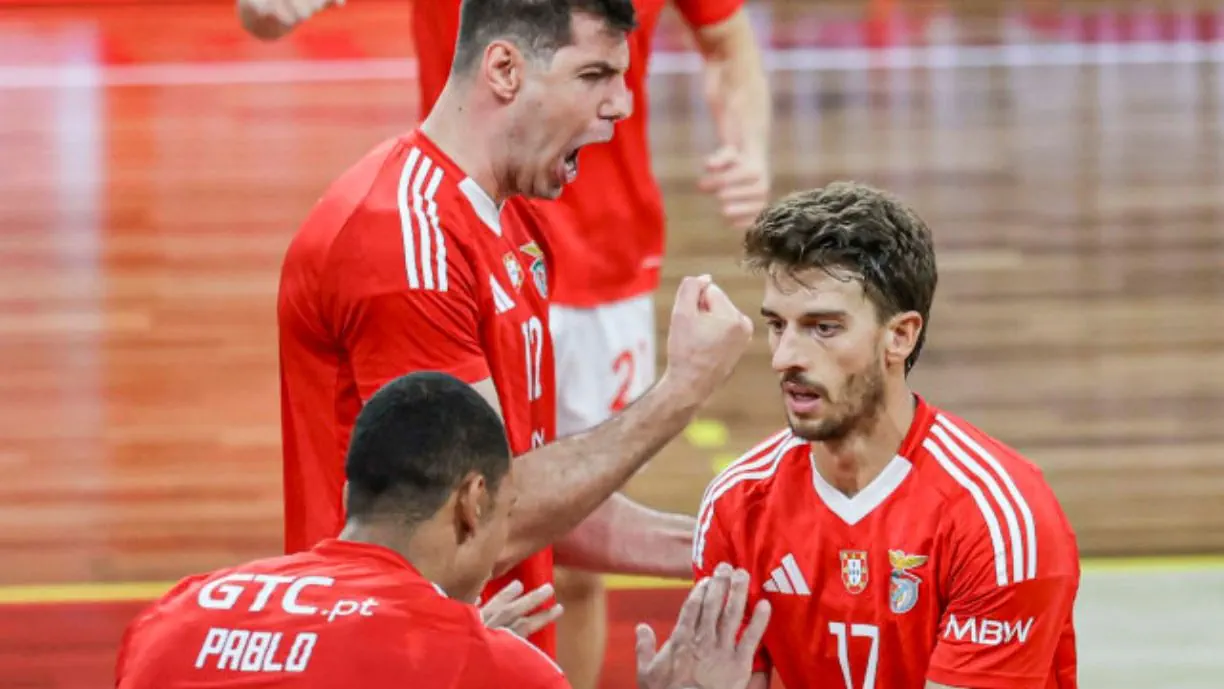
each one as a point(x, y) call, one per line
point(624, 367)
point(869, 631)
point(533, 344)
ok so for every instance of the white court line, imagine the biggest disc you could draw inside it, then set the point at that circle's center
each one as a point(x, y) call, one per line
point(665, 63)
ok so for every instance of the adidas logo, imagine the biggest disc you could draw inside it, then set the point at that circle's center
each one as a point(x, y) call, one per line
point(787, 579)
point(501, 301)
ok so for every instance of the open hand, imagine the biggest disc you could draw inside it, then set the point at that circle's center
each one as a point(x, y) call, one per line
point(509, 609)
point(702, 652)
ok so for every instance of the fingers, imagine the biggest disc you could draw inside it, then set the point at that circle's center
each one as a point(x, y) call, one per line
point(716, 300)
point(531, 601)
point(514, 613)
point(526, 626)
point(645, 647)
point(689, 294)
point(712, 606)
point(508, 593)
point(733, 611)
point(690, 614)
point(742, 214)
point(491, 611)
point(755, 630)
point(719, 303)
point(740, 184)
point(722, 159)
point(507, 609)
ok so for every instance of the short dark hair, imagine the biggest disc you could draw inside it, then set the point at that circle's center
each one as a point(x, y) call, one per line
point(856, 228)
point(538, 27)
point(415, 439)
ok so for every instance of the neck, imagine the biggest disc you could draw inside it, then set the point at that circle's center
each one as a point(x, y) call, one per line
point(423, 546)
point(462, 128)
point(849, 464)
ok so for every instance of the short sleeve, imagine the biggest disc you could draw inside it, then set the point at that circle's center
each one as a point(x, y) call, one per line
point(702, 13)
point(711, 545)
point(1009, 615)
point(393, 326)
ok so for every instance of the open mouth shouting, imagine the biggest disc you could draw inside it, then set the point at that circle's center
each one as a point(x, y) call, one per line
point(569, 166)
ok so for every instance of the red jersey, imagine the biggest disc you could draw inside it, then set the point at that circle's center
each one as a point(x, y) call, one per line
point(955, 565)
point(607, 230)
point(405, 265)
point(317, 620)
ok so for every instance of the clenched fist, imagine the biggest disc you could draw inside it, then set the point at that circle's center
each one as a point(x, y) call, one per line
point(707, 337)
point(740, 182)
point(271, 19)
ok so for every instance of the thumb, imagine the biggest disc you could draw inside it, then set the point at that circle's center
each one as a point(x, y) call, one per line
point(645, 646)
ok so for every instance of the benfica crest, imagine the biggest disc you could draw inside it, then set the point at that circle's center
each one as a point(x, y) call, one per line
point(902, 583)
point(854, 570)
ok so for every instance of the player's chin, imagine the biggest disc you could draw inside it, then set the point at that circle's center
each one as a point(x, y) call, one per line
point(548, 187)
point(806, 427)
point(550, 192)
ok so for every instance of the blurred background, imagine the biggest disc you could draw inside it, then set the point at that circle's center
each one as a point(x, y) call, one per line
point(1069, 156)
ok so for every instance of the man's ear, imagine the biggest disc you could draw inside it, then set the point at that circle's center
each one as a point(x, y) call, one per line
point(901, 336)
point(471, 505)
point(503, 69)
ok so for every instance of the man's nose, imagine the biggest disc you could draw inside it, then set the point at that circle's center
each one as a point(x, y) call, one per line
point(619, 104)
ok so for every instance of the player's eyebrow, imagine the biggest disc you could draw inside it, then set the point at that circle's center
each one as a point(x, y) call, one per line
point(822, 314)
point(809, 315)
point(601, 67)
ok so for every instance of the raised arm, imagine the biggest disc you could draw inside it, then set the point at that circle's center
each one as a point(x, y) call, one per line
point(625, 537)
point(737, 92)
point(563, 482)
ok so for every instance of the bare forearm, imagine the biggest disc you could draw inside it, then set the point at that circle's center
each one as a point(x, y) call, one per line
point(563, 482)
point(625, 537)
point(736, 88)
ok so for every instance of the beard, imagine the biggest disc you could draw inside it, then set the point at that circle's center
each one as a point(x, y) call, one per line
point(857, 408)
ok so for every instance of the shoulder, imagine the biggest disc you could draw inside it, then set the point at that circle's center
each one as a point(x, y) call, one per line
point(186, 589)
point(520, 663)
point(747, 478)
point(998, 502)
point(409, 218)
point(751, 469)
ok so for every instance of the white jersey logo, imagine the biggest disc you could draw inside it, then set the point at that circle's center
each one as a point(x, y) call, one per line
point(787, 579)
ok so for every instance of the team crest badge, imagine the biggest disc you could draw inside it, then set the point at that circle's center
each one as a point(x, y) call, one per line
point(902, 583)
point(513, 269)
point(539, 274)
point(854, 570)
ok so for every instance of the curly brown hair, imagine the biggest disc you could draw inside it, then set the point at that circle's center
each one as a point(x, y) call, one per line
point(852, 227)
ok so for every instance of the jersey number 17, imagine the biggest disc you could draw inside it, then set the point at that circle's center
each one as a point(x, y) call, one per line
point(868, 631)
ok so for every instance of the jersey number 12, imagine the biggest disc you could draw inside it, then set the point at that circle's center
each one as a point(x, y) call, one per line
point(533, 346)
point(869, 631)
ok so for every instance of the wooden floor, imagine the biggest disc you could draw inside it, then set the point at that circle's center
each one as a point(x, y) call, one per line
point(152, 169)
